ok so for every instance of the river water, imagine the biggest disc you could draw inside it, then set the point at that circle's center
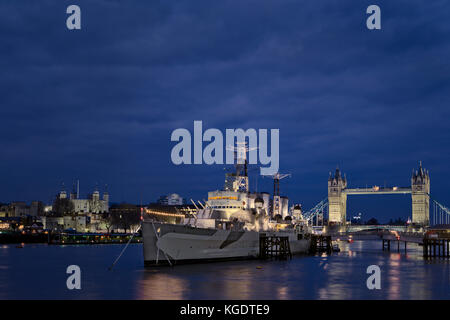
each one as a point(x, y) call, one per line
point(39, 272)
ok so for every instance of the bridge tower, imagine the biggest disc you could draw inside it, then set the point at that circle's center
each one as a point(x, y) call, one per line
point(420, 194)
point(337, 198)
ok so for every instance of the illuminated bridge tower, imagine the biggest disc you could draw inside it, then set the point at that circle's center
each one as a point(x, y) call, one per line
point(337, 198)
point(420, 193)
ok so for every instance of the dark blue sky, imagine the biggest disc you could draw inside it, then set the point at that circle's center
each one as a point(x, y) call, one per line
point(100, 104)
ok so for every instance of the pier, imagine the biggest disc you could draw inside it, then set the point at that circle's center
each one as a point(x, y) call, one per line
point(394, 239)
point(320, 243)
point(274, 247)
point(387, 244)
point(436, 248)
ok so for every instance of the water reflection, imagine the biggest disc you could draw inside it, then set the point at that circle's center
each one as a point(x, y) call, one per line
point(394, 276)
point(341, 275)
point(155, 286)
point(229, 280)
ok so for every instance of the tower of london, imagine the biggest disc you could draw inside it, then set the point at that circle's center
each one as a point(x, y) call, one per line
point(93, 204)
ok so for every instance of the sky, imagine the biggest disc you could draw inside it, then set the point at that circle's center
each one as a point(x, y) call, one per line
point(99, 104)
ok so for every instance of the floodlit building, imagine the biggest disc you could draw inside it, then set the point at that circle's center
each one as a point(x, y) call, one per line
point(420, 186)
point(53, 223)
point(36, 208)
point(19, 209)
point(93, 204)
point(78, 223)
point(3, 210)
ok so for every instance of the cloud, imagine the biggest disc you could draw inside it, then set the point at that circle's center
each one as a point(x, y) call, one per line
point(100, 103)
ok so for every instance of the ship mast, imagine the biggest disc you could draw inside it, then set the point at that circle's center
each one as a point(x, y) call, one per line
point(238, 181)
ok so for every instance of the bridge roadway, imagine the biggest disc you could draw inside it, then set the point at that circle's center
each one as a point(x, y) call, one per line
point(378, 190)
point(378, 232)
point(403, 237)
point(414, 237)
point(359, 228)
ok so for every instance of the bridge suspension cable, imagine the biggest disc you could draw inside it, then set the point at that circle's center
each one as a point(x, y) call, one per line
point(318, 209)
point(441, 214)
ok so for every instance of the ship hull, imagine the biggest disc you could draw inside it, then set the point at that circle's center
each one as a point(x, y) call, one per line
point(168, 244)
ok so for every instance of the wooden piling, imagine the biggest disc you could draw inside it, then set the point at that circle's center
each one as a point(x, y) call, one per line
point(448, 247)
point(436, 248)
point(274, 247)
point(320, 243)
point(425, 248)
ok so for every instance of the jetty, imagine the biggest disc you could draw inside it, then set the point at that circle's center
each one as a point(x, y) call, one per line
point(274, 247)
point(93, 238)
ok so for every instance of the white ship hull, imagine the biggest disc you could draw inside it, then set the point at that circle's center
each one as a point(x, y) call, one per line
point(172, 244)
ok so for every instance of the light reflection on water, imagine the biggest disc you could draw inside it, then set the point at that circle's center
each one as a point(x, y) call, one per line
point(38, 271)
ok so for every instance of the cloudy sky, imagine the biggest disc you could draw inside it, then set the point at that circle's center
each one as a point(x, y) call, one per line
point(99, 104)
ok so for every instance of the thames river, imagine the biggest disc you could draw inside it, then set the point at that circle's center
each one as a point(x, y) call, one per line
point(39, 272)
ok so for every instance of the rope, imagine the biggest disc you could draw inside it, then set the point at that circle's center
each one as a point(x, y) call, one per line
point(157, 255)
point(123, 250)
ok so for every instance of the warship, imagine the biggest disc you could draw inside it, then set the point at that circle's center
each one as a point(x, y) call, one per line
point(229, 226)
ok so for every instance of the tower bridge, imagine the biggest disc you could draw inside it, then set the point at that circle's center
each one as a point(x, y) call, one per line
point(336, 203)
point(419, 190)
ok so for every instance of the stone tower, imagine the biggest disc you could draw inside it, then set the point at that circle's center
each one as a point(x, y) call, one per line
point(96, 196)
point(337, 198)
point(420, 193)
point(106, 197)
point(105, 200)
point(63, 193)
point(73, 194)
